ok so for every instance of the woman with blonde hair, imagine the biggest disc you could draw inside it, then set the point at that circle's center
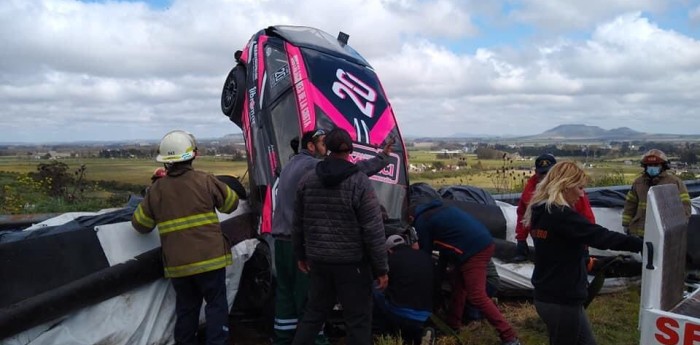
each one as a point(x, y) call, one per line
point(561, 235)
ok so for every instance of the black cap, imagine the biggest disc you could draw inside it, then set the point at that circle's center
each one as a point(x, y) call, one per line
point(544, 162)
point(338, 140)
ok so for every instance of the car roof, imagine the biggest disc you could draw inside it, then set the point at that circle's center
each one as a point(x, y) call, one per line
point(312, 38)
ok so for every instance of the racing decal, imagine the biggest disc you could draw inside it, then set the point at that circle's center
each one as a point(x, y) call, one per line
point(266, 216)
point(259, 68)
point(360, 129)
point(246, 131)
point(390, 173)
point(252, 92)
point(350, 95)
point(383, 126)
point(348, 85)
point(280, 74)
point(262, 90)
point(272, 157)
point(253, 62)
point(299, 77)
point(353, 90)
point(338, 119)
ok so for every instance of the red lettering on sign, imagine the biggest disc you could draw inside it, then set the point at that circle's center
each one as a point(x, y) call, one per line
point(668, 334)
point(692, 333)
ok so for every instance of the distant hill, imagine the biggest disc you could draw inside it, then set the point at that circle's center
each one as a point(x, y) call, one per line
point(578, 131)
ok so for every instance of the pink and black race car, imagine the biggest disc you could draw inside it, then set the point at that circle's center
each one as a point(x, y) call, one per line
point(291, 79)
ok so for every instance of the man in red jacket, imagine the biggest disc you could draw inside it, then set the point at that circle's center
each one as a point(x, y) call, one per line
point(542, 165)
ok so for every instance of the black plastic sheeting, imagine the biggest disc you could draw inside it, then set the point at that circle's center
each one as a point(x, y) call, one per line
point(85, 222)
point(36, 265)
point(693, 187)
point(421, 191)
point(607, 198)
point(489, 215)
point(468, 194)
point(51, 271)
point(693, 244)
point(81, 293)
point(473, 200)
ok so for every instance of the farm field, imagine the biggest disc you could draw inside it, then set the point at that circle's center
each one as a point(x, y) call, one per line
point(132, 171)
point(480, 173)
point(507, 176)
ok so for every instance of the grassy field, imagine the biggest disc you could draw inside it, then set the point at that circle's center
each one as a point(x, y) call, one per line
point(501, 176)
point(133, 171)
point(494, 175)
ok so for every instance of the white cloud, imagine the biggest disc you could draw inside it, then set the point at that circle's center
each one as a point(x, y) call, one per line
point(694, 15)
point(78, 71)
point(576, 14)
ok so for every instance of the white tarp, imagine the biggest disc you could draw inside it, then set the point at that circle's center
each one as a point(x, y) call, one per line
point(516, 276)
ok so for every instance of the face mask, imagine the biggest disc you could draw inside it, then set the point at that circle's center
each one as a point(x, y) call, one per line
point(653, 171)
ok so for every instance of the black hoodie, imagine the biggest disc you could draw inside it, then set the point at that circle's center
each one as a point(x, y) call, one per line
point(333, 171)
point(337, 217)
point(560, 237)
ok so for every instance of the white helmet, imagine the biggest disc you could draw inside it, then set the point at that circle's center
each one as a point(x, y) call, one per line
point(176, 146)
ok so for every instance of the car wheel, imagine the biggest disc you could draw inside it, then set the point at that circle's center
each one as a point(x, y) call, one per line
point(234, 184)
point(233, 95)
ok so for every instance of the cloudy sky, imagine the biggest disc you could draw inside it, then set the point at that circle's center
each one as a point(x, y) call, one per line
point(105, 70)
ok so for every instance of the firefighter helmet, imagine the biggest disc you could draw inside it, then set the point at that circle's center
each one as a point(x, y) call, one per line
point(654, 157)
point(177, 146)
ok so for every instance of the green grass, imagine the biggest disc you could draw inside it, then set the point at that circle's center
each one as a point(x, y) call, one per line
point(613, 318)
point(132, 171)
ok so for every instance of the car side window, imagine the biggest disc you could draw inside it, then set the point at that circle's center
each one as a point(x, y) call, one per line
point(277, 68)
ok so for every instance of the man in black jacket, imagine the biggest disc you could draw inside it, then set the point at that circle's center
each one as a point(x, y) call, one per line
point(338, 238)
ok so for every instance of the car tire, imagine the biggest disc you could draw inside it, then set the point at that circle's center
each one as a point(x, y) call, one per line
point(234, 184)
point(233, 95)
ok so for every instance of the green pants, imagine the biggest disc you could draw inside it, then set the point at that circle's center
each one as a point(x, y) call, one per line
point(291, 295)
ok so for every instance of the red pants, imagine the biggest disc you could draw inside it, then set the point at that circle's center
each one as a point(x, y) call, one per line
point(469, 285)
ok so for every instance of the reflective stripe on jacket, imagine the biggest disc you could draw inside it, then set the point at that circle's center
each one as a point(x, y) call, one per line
point(634, 213)
point(182, 205)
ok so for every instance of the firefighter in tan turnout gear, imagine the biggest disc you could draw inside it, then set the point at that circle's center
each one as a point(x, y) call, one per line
point(655, 164)
point(195, 253)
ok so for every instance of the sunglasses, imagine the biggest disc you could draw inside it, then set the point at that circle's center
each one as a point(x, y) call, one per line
point(318, 133)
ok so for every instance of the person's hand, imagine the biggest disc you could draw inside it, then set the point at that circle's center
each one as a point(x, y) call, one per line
point(303, 266)
point(522, 250)
point(388, 146)
point(382, 282)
